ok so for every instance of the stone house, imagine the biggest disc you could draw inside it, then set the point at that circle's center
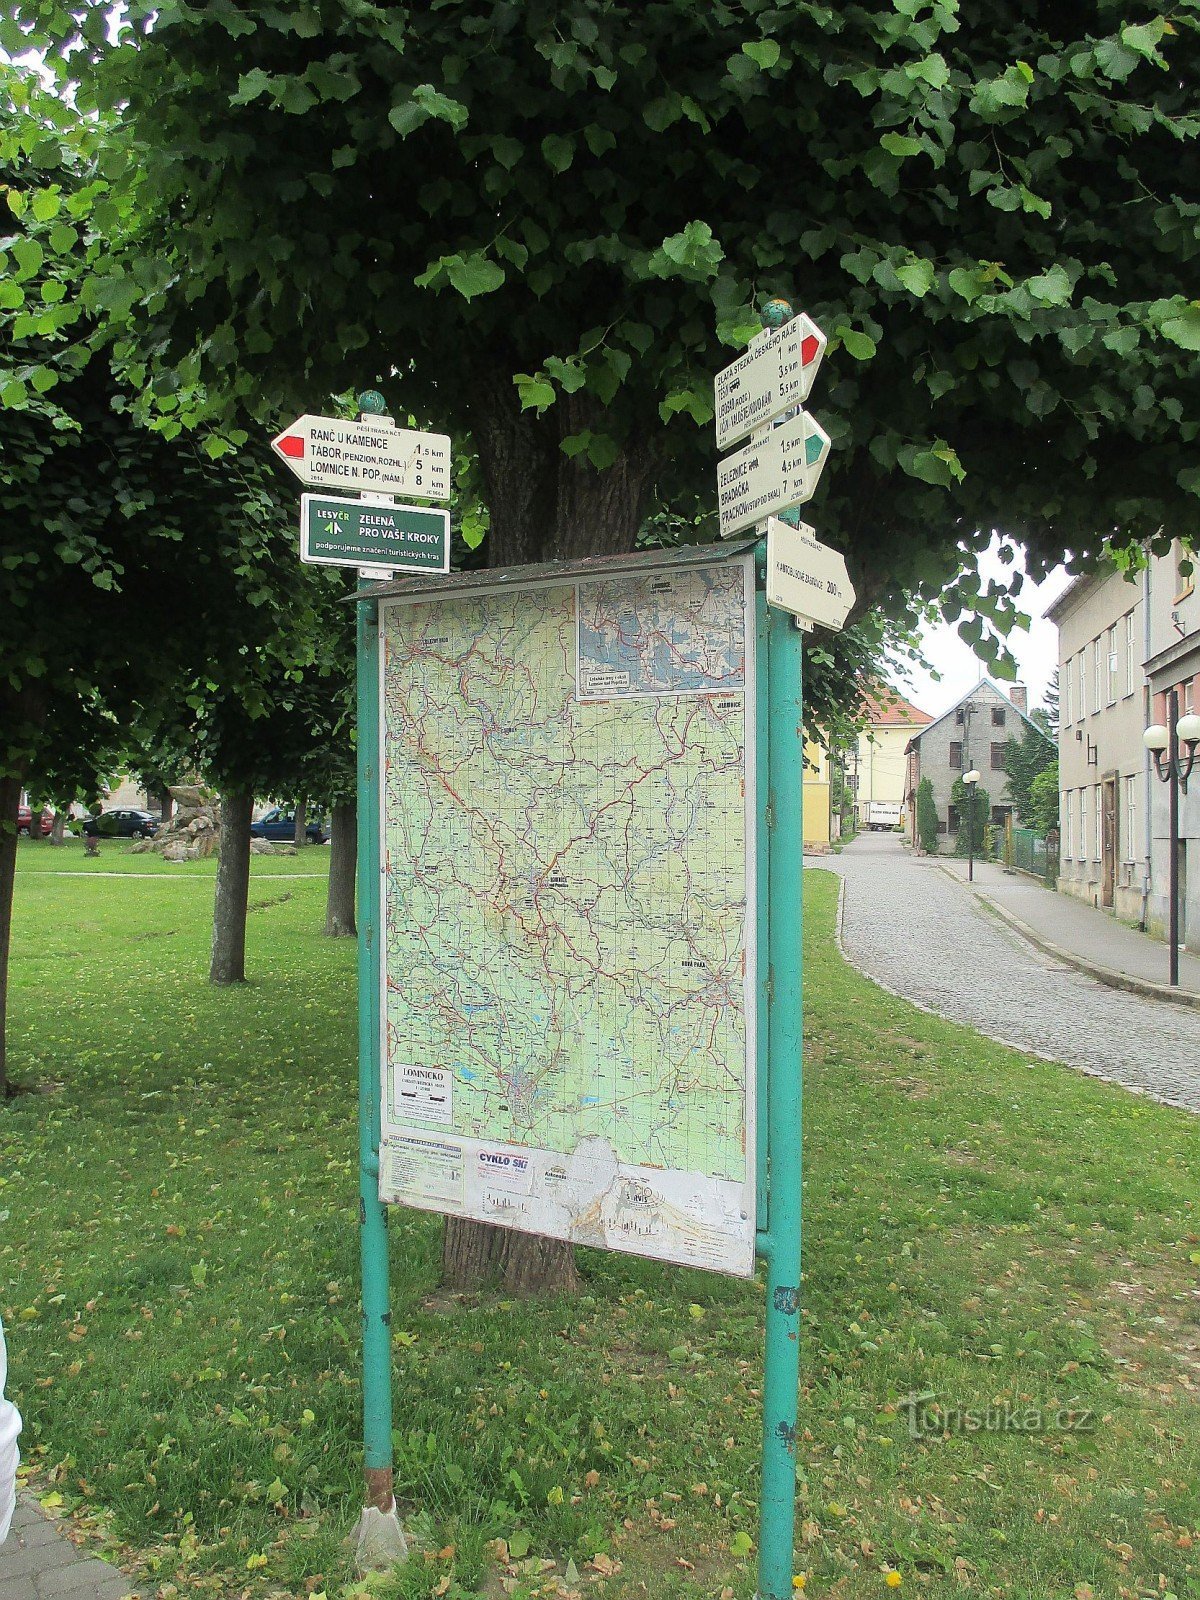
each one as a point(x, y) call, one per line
point(974, 733)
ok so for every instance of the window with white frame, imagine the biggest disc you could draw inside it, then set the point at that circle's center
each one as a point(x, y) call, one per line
point(1083, 822)
point(1068, 676)
point(1097, 663)
point(1066, 800)
point(1112, 665)
point(1131, 840)
point(1097, 823)
point(1130, 661)
point(1189, 697)
point(1083, 682)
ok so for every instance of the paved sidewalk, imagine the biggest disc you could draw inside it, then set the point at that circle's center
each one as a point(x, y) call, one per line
point(1078, 932)
point(919, 931)
point(37, 1562)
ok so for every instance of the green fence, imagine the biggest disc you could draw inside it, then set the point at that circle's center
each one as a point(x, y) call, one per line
point(1027, 851)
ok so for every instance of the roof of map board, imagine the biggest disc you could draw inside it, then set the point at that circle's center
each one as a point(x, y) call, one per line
point(441, 583)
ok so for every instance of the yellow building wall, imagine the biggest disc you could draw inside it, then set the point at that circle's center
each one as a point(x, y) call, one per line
point(816, 794)
point(882, 766)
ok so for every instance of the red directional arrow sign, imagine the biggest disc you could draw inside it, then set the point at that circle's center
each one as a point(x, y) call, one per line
point(369, 455)
point(776, 373)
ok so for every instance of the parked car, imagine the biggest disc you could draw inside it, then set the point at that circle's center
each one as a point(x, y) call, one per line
point(30, 825)
point(279, 826)
point(121, 824)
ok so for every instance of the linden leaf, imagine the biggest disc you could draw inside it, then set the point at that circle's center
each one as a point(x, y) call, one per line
point(763, 52)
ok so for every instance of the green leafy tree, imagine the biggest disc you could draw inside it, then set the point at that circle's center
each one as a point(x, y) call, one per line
point(1046, 715)
point(134, 572)
point(988, 219)
point(1024, 758)
point(974, 807)
point(927, 817)
point(1043, 800)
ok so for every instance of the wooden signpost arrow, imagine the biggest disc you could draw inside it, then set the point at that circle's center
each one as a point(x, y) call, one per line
point(779, 470)
point(806, 577)
point(775, 373)
point(368, 455)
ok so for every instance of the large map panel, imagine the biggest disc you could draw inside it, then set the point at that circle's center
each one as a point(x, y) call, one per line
point(568, 856)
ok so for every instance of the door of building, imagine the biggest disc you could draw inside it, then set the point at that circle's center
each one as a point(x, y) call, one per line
point(1109, 842)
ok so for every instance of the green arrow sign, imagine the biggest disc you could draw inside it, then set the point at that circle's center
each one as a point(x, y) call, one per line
point(354, 533)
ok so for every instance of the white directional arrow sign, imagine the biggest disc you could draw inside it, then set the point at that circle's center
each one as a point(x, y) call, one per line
point(369, 455)
point(775, 373)
point(806, 577)
point(772, 473)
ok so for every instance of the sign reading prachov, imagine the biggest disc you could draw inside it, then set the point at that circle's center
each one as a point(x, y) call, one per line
point(568, 822)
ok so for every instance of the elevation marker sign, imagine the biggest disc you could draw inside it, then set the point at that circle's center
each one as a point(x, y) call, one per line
point(371, 456)
point(806, 577)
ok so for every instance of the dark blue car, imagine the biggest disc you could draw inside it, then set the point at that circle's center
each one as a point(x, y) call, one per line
point(279, 826)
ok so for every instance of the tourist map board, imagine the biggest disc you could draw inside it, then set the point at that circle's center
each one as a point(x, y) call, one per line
point(568, 814)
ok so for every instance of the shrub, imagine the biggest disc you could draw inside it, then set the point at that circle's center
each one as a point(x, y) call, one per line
point(927, 817)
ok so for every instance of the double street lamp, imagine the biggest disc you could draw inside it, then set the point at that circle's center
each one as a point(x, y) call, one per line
point(971, 779)
point(1174, 768)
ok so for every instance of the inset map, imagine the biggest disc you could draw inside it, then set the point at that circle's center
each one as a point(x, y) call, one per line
point(662, 633)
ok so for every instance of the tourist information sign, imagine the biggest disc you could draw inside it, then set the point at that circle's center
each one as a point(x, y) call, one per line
point(806, 577)
point(775, 373)
point(374, 538)
point(779, 470)
point(369, 454)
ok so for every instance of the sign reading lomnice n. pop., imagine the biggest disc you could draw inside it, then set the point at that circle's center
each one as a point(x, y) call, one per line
point(355, 533)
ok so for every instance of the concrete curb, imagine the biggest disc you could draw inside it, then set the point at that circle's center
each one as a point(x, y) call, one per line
point(1015, 1045)
point(1106, 975)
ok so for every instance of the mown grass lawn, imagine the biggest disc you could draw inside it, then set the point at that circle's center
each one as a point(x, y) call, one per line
point(178, 1277)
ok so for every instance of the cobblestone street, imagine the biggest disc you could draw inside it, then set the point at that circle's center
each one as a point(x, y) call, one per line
point(912, 928)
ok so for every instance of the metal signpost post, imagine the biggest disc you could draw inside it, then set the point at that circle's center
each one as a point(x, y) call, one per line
point(804, 583)
point(377, 537)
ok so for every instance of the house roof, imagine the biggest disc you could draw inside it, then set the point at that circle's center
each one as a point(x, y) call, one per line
point(886, 707)
point(1002, 699)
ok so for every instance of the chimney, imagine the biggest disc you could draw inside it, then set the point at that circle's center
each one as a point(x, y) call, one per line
point(1019, 695)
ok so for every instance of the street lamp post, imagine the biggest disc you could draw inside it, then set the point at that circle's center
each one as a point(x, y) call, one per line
point(1174, 770)
point(971, 779)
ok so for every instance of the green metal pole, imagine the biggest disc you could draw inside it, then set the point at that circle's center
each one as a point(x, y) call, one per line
point(781, 1246)
point(372, 1216)
point(762, 1204)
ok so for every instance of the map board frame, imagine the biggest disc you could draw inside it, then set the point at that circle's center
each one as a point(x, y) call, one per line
point(456, 1168)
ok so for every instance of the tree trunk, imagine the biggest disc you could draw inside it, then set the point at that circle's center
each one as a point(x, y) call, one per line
point(233, 888)
point(300, 824)
point(543, 505)
point(596, 513)
point(343, 858)
point(475, 1254)
point(518, 455)
point(166, 803)
point(58, 830)
point(10, 794)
